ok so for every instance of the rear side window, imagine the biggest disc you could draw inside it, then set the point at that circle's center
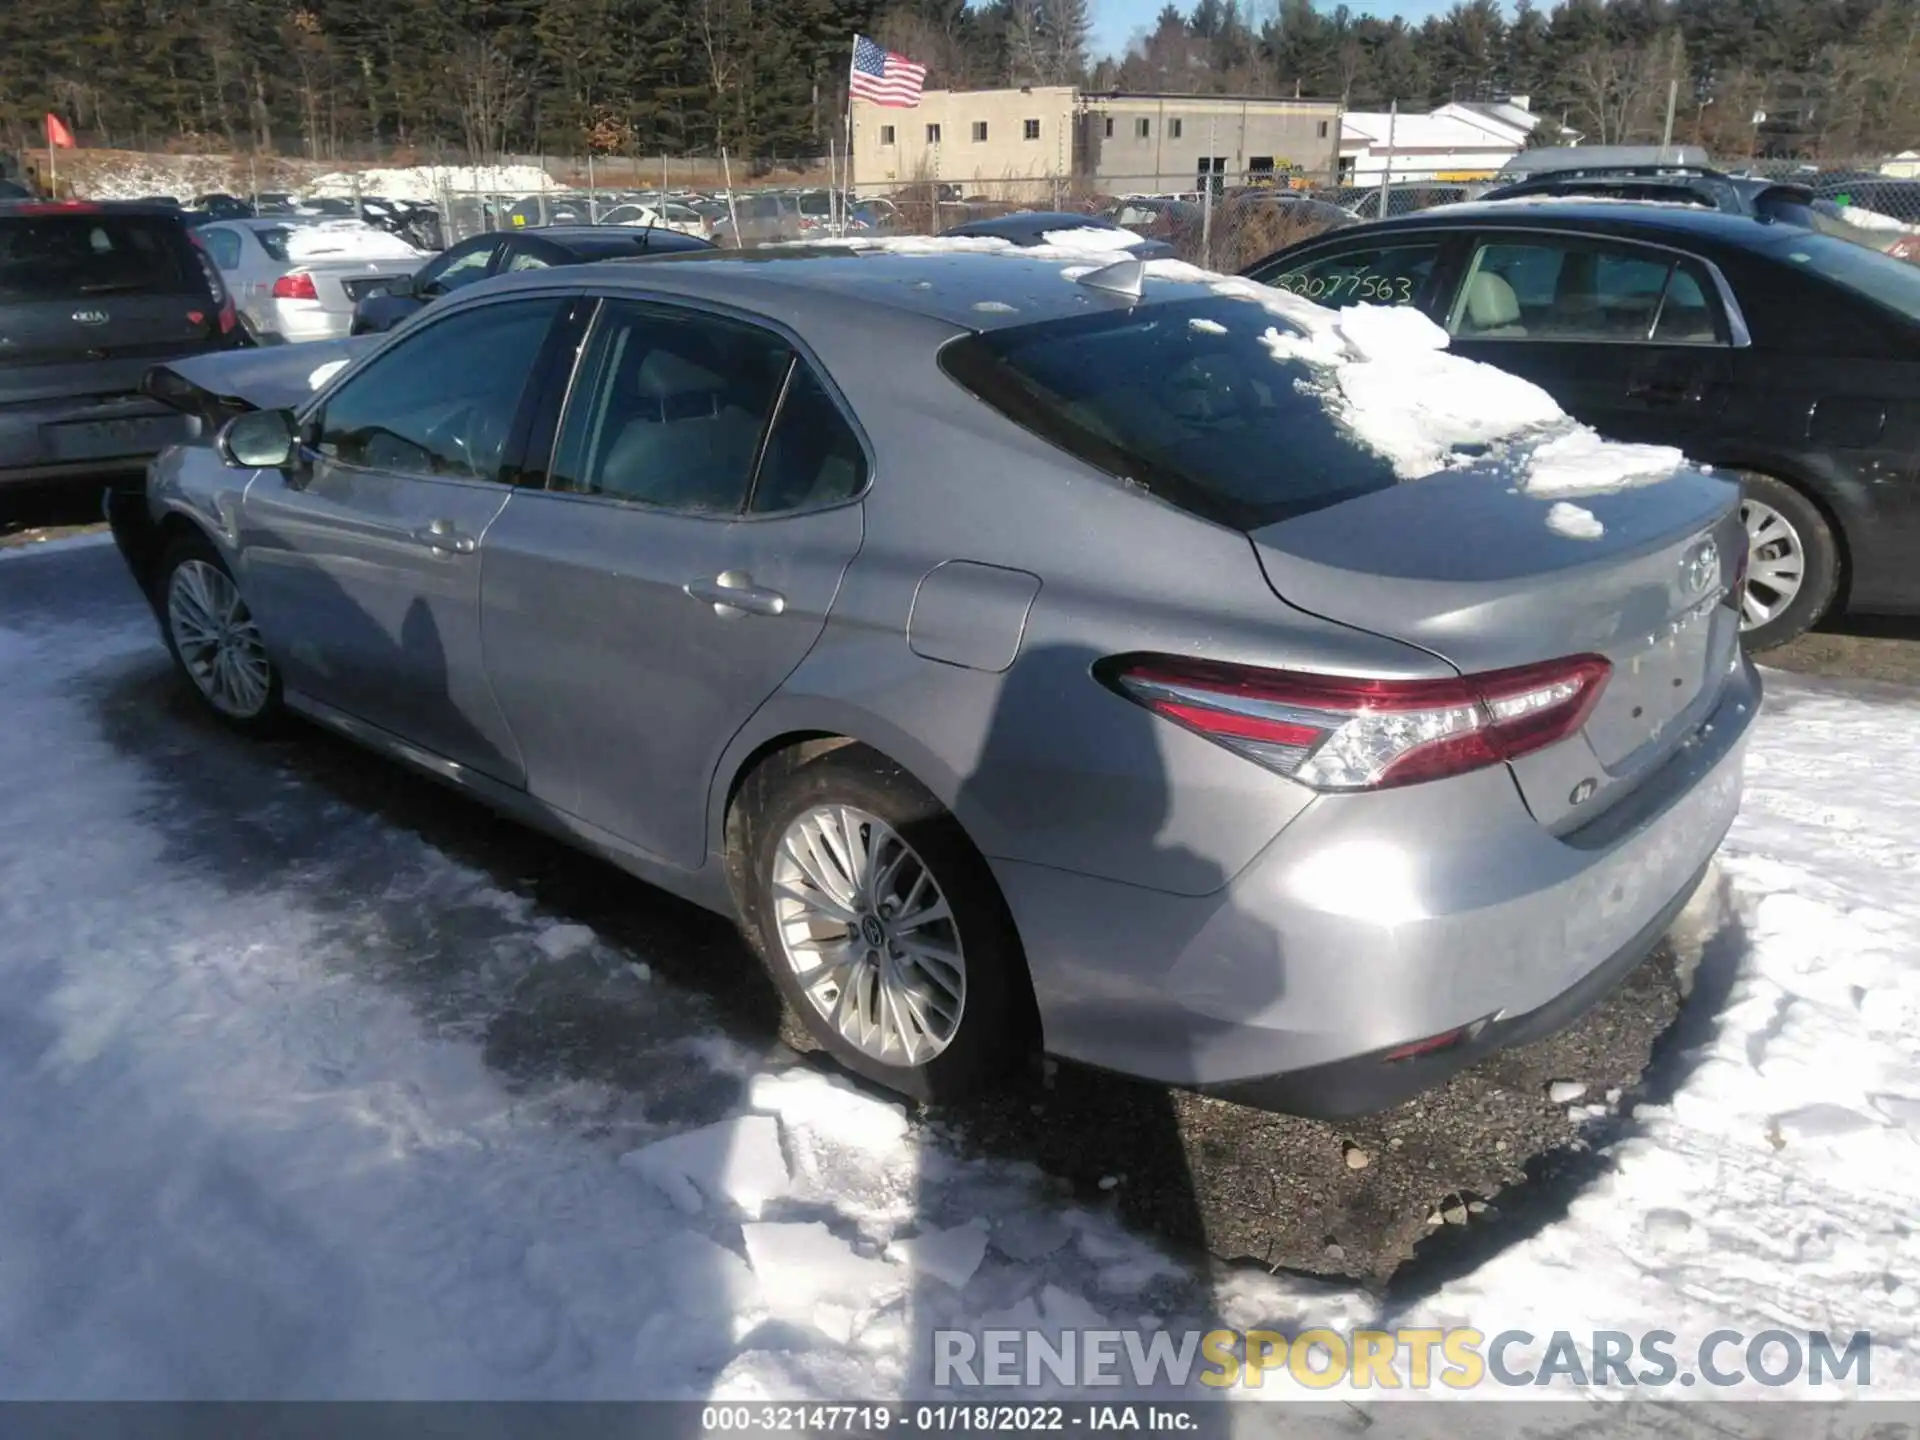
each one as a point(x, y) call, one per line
point(1378, 275)
point(1575, 290)
point(65, 257)
point(1184, 400)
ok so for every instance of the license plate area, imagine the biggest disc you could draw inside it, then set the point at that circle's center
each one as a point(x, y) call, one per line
point(1652, 688)
point(112, 438)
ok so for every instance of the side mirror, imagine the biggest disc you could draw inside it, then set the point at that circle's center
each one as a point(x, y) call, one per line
point(258, 440)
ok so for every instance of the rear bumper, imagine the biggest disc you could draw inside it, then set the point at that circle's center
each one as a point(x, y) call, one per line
point(299, 320)
point(1375, 921)
point(85, 437)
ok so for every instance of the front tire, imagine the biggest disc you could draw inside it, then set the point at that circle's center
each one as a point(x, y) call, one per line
point(212, 636)
point(881, 925)
point(1793, 563)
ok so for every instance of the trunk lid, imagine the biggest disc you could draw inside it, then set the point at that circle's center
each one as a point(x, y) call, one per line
point(1463, 565)
point(271, 377)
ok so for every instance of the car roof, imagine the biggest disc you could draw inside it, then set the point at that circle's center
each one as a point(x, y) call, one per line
point(1029, 225)
point(90, 207)
point(970, 290)
point(1651, 219)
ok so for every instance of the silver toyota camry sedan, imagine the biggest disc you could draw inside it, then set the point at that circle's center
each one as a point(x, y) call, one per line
point(1027, 658)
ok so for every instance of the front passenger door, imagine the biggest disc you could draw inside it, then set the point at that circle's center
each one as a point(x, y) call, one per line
point(701, 510)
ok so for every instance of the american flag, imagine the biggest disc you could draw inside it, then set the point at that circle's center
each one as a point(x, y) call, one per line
point(884, 77)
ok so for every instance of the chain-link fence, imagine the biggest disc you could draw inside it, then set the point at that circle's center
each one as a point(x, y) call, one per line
point(1225, 222)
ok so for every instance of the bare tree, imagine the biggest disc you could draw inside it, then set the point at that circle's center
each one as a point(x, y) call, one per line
point(1064, 28)
point(1026, 42)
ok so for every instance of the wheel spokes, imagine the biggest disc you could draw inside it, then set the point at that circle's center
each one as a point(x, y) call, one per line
point(869, 936)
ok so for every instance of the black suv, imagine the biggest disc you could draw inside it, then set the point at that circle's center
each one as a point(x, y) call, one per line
point(90, 296)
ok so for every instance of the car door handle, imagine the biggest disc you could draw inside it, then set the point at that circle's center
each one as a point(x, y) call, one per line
point(733, 593)
point(440, 535)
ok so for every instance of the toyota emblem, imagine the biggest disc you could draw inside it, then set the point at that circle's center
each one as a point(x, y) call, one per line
point(1700, 569)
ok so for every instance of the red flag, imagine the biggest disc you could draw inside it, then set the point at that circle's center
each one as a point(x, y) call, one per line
point(58, 135)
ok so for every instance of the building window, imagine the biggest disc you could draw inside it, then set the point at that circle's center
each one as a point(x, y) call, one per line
point(933, 134)
point(886, 134)
point(1323, 129)
point(1174, 129)
point(1109, 127)
point(979, 132)
point(1031, 129)
point(1142, 128)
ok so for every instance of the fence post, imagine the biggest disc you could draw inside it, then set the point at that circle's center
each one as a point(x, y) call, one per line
point(1386, 171)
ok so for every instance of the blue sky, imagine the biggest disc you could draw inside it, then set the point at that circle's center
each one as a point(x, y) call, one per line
point(1115, 22)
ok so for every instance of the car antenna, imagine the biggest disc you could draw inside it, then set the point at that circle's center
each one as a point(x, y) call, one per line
point(1123, 277)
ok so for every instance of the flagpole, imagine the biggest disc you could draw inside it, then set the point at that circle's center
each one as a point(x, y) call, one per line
point(53, 170)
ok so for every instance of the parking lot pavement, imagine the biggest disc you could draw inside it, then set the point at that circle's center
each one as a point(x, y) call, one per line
point(1864, 647)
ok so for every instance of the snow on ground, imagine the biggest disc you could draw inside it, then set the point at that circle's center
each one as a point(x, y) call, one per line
point(429, 182)
point(273, 1125)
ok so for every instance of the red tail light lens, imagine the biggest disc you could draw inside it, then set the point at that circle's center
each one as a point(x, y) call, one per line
point(295, 285)
point(1335, 733)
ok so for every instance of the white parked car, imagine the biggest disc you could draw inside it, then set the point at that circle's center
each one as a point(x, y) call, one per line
point(670, 216)
point(295, 279)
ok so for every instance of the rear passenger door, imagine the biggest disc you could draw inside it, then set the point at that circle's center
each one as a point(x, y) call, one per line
point(701, 507)
point(1631, 339)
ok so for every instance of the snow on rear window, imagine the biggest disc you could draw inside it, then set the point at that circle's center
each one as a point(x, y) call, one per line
point(334, 240)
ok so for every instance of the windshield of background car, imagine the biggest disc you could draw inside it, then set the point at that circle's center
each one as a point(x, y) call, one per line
point(1891, 284)
point(1183, 399)
point(62, 257)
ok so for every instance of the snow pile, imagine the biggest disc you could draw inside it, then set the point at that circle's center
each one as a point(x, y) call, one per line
point(1865, 219)
point(1400, 392)
point(429, 182)
point(346, 240)
point(1575, 522)
point(1581, 463)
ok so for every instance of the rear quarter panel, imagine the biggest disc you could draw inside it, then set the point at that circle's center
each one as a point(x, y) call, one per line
point(1040, 762)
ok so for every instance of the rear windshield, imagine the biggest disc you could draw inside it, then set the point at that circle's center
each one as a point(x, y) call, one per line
point(1892, 284)
point(1183, 399)
point(63, 257)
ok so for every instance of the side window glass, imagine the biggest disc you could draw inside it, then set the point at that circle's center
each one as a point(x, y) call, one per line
point(224, 246)
point(1686, 315)
point(813, 457)
point(1577, 291)
point(526, 260)
point(460, 270)
point(669, 409)
point(1387, 275)
point(441, 401)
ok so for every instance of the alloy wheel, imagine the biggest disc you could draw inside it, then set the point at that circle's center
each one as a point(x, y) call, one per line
point(218, 643)
point(869, 936)
point(1776, 564)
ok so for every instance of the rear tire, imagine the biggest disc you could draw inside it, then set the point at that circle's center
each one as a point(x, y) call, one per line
point(1793, 563)
point(881, 925)
point(212, 637)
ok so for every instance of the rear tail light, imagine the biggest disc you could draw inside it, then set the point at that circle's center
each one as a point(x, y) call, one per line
point(295, 285)
point(1335, 733)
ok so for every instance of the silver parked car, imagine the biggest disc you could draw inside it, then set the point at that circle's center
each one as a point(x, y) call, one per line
point(1022, 662)
point(299, 280)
